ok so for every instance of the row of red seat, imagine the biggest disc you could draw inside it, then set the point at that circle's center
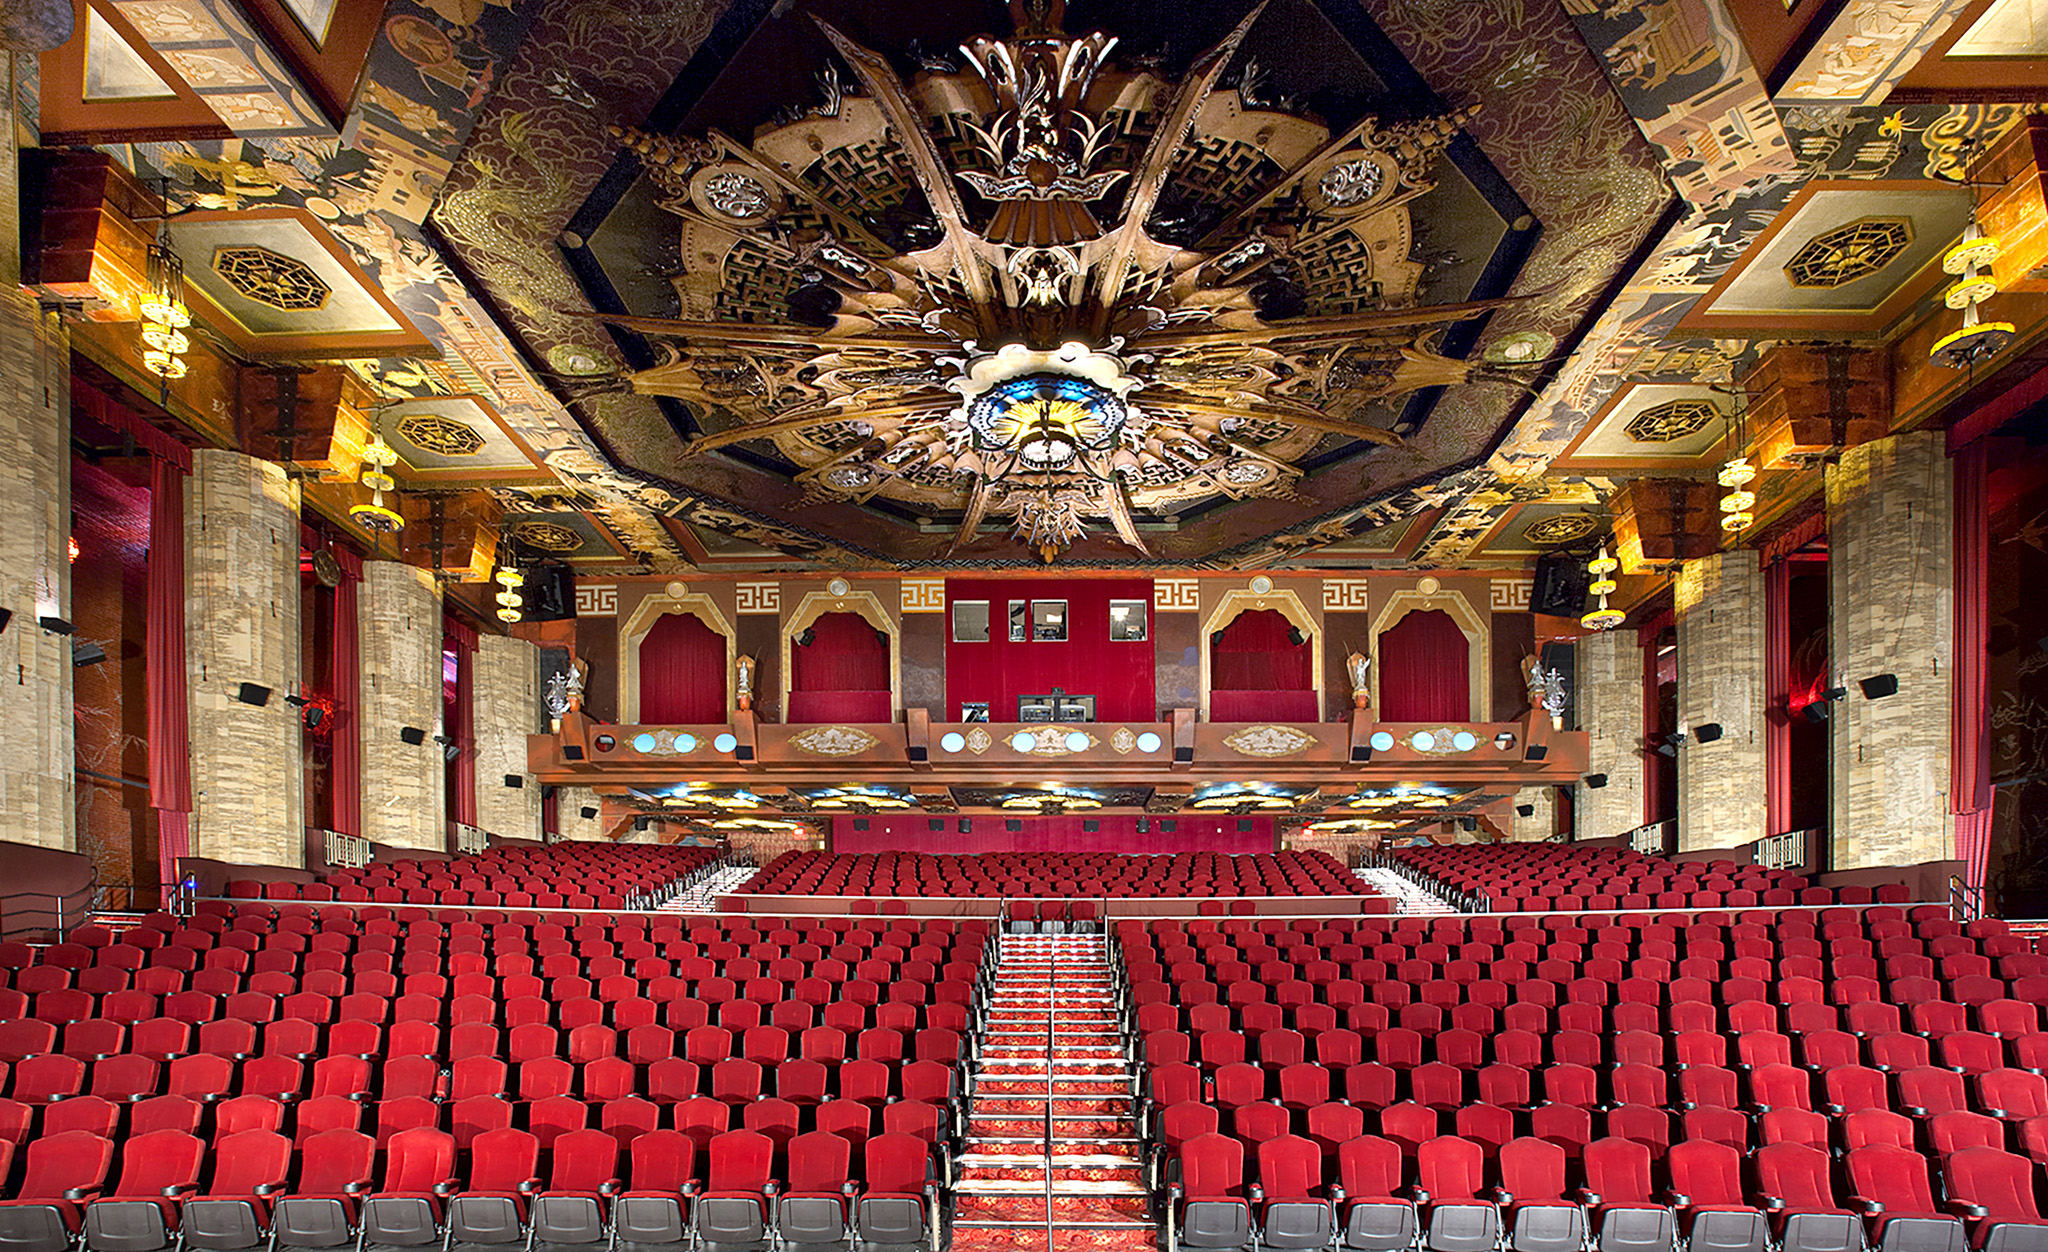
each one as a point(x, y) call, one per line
point(558, 876)
point(994, 875)
point(1540, 877)
point(251, 1188)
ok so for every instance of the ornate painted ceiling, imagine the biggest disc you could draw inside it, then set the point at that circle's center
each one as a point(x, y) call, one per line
point(1370, 281)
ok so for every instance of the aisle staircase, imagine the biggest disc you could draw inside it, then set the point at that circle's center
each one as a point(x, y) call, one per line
point(702, 896)
point(1051, 1158)
point(1410, 898)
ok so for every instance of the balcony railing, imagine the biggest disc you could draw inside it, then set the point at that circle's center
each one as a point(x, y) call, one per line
point(347, 851)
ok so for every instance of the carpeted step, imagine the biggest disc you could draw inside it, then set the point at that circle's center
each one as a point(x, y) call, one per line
point(1065, 1208)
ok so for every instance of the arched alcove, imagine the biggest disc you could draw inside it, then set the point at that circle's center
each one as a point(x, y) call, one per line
point(1247, 641)
point(635, 681)
point(1431, 645)
point(840, 618)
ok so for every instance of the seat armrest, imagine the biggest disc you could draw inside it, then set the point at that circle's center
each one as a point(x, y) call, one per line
point(611, 1186)
point(359, 1187)
point(691, 1186)
point(2000, 1114)
point(1772, 1203)
point(1961, 1209)
point(772, 1190)
point(1914, 1111)
point(268, 1188)
point(1501, 1195)
point(1865, 1205)
point(446, 1187)
point(1258, 1194)
point(850, 1189)
point(1678, 1199)
point(1588, 1197)
point(1834, 1110)
point(530, 1186)
point(175, 1190)
point(76, 1194)
point(1419, 1195)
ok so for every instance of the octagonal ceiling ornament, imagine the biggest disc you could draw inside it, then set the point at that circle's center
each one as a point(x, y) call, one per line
point(1046, 338)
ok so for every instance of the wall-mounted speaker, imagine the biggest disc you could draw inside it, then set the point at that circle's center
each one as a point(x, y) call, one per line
point(1707, 733)
point(253, 693)
point(1596, 781)
point(588, 813)
point(860, 823)
point(550, 593)
point(572, 751)
point(413, 735)
point(1878, 686)
point(1525, 810)
point(935, 823)
point(515, 780)
point(1013, 824)
point(1560, 585)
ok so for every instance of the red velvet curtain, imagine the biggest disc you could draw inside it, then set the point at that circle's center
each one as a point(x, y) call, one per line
point(462, 725)
point(1425, 670)
point(1777, 697)
point(170, 742)
point(345, 680)
point(682, 673)
point(845, 654)
point(1115, 833)
point(1970, 730)
point(1255, 654)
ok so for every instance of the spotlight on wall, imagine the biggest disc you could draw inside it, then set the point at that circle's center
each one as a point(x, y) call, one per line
point(1525, 810)
point(449, 751)
point(413, 735)
point(55, 625)
point(1878, 686)
point(1596, 781)
point(314, 716)
point(1815, 712)
point(806, 639)
point(1668, 745)
point(1707, 733)
point(84, 654)
point(587, 812)
point(253, 693)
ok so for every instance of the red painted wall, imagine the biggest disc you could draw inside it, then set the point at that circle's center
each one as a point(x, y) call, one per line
point(1119, 675)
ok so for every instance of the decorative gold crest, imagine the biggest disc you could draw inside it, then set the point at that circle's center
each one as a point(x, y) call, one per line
point(1270, 741)
point(834, 741)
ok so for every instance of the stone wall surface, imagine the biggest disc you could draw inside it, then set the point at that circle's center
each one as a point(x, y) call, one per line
point(1541, 820)
point(242, 626)
point(572, 801)
point(1610, 703)
point(1891, 580)
point(506, 696)
point(403, 785)
point(1720, 614)
point(36, 743)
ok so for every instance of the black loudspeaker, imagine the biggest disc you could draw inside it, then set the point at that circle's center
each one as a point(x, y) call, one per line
point(572, 751)
point(1295, 637)
point(1707, 733)
point(1525, 810)
point(1090, 826)
point(550, 593)
point(860, 823)
point(515, 780)
point(1596, 781)
point(588, 812)
point(966, 826)
point(254, 693)
point(1560, 588)
point(640, 823)
point(413, 735)
point(1144, 826)
point(1244, 823)
point(6, 616)
point(1184, 753)
point(1169, 825)
point(1878, 686)
point(807, 638)
point(1013, 824)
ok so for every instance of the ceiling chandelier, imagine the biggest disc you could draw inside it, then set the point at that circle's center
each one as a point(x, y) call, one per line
point(509, 581)
point(164, 313)
point(1031, 258)
point(1602, 569)
point(1969, 261)
point(375, 515)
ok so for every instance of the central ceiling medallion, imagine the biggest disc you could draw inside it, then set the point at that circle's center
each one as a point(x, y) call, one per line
point(1068, 292)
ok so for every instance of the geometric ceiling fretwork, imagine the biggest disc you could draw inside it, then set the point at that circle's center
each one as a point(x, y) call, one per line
point(1561, 529)
point(1672, 420)
point(1849, 252)
point(271, 278)
point(547, 537)
point(442, 435)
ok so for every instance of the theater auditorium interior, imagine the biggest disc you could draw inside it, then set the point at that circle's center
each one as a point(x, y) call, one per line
point(1127, 625)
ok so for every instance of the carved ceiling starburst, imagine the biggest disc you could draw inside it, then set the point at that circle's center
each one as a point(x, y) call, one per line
point(1046, 286)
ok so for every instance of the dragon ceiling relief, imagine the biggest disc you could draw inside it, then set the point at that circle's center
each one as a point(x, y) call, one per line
point(1047, 287)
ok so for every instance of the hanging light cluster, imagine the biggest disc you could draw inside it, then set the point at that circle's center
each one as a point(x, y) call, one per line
point(1736, 475)
point(510, 580)
point(378, 458)
point(1602, 569)
point(1977, 339)
point(164, 315)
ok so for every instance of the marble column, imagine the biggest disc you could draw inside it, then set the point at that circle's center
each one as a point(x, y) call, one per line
point(1610, 702)
point(242, 626)
point(1891, 580)
point(1720, 615)
point(403, 783)
point(505, 690)
point(36, 742)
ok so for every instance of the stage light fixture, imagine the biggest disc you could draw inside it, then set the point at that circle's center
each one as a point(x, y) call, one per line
point(1707, 733)
point(55, 625)
point(88, 653)
point(253, 693)
point(315, 716)
point(1815, 712)
point(450, 751)
point(1878, 686)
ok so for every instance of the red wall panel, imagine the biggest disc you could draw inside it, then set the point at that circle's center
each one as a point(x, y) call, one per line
point(1119, 833)
point(1119, 675)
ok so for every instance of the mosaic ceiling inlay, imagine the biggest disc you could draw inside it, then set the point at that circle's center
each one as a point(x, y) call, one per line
point(1671, 421)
